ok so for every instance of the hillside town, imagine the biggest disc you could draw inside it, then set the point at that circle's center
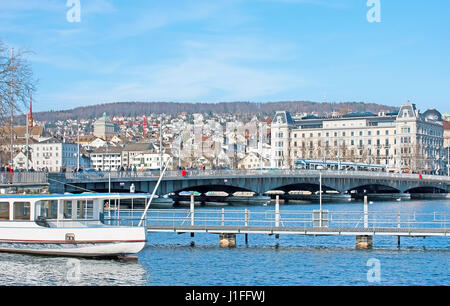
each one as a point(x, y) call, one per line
point(406, 140)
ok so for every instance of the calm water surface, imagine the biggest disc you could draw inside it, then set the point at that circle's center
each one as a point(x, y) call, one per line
point(169, 259)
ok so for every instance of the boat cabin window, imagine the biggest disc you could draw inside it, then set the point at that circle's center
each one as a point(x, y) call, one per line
point(21, 211)
point(4, 211)
point(67, 209)
point(85, 209)
point(47, 209)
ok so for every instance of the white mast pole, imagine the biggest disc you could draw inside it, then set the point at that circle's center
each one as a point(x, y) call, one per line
point(154, 191)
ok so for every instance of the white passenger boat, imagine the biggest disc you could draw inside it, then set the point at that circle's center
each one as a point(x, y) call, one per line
point(67, 225)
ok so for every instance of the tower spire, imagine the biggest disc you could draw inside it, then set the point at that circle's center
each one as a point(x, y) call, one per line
point(144, 127)
point(30, 115)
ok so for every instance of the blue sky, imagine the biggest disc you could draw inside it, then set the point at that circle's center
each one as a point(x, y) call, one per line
point(233, 50)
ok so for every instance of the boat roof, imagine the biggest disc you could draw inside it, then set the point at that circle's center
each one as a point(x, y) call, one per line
point(106, 196)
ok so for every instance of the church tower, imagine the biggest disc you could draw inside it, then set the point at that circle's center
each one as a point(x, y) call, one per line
point(30, 115)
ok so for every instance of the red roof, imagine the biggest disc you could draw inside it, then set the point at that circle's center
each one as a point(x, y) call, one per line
point(446, 125)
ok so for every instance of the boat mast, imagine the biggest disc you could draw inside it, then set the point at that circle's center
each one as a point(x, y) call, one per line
point(154, 191)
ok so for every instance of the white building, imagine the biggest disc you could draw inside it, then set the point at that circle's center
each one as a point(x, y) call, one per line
point(253, 160)
point(148, 160)
point(20, 161)
point(107, 158)
point(403, 141)
point(54, 155)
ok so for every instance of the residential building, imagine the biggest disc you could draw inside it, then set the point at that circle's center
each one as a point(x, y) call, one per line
point(20, 161)
point(131, 150)
point(55, 156)
point(253, 160)
point(107, 158)
point(148, 160)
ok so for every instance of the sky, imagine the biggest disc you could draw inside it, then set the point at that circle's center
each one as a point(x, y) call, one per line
point(233, 50)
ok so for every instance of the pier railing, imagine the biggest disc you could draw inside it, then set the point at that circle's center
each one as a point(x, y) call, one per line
point(176, 218)
point(24, 178)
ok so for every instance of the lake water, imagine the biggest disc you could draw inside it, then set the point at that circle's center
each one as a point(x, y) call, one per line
point(170, 259)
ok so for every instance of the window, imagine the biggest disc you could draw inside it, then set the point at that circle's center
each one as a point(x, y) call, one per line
point(4, 211)
point(47, 209)
point(85, 209)
point(21, 211)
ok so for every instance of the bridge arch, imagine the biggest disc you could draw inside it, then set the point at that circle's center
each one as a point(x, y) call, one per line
point(311, 187)
point(229, 189)
point(426, 189)
point(372, 188)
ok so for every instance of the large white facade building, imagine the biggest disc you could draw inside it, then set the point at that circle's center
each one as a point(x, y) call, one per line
point(52, 155)
point(403, 141)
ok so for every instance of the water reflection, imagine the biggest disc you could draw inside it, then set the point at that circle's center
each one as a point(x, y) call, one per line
point(168, 258)
point(19, 270)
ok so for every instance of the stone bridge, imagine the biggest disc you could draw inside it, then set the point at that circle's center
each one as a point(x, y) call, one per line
point(257, 181)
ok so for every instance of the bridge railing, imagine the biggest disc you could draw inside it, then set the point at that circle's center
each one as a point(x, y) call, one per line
point(254, 173)
point(30, 178)
point(286, 219)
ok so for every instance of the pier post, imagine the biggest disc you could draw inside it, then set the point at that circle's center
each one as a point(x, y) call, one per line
point(246, 224)
point(364, 242)
point(223, 216)
point(366, 212)
point(192, 209)
point(227, 240)
point(277, 211)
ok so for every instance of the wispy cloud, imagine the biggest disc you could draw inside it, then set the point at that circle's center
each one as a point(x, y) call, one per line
point(325, 3)
point(224, 70)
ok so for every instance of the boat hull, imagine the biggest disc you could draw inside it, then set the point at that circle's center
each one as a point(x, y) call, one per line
point(79, 242)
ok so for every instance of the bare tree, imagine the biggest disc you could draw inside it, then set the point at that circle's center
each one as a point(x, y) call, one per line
point(16, 85)
point(16, 80)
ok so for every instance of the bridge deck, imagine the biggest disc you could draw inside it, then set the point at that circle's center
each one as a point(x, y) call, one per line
point(411, 232)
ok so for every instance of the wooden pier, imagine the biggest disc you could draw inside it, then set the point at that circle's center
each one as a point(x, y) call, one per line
point(227, 223)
